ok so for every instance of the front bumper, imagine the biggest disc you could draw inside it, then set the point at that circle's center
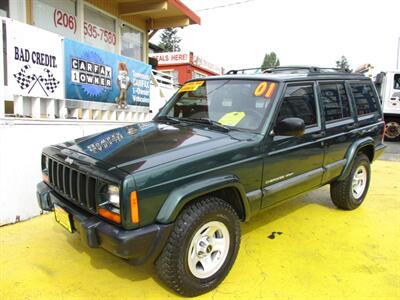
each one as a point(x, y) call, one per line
point(138, 246)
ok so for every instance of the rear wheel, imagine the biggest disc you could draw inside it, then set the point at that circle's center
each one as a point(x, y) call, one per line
point(392, 129)
point(350, 193)
point(202, 247)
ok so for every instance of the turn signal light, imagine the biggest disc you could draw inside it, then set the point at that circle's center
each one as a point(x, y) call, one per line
point(110, 215)
point(134, 208)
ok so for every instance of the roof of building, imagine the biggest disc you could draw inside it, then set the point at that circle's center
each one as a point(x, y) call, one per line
point(159, 14)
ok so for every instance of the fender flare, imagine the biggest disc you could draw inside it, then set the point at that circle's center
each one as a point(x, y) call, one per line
point(351, 155)
point(182, 195)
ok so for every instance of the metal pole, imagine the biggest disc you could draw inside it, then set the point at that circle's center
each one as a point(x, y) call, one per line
point(398, 54)
point(1, 71)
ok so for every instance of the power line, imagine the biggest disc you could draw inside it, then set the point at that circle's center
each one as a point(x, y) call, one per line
point(225, 5)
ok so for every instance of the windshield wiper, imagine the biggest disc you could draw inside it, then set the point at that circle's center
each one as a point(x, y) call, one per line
point(207, 121)
point(168, 119)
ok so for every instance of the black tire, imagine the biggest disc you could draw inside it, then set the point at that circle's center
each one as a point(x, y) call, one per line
point(342, 192)
point(172, 265)
point(392, 129)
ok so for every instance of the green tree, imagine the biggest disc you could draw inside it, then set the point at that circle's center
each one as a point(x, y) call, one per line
point(170, 40)
point(343, 64)
point(271, 60)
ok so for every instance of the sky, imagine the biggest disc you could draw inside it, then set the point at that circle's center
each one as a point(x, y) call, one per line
point(302, 32)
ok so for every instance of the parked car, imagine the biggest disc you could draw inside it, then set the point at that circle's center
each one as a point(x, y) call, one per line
point(174, 190)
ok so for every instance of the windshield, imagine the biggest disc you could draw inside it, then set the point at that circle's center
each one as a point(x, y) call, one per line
point(240, 104)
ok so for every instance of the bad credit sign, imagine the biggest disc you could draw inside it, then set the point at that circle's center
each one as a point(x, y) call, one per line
point(34, 61)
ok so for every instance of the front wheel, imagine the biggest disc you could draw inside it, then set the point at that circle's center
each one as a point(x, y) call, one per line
point(202, 247)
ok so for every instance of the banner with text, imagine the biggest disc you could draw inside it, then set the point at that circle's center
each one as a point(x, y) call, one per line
point(97, 75)
point(34, 61)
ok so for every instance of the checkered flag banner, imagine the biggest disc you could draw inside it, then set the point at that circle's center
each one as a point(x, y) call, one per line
point(24, 80)
point(50, 82)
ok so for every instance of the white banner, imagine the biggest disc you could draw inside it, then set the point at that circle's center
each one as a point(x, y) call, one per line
point(202, 63)
point(35, 62)
point(171, 58)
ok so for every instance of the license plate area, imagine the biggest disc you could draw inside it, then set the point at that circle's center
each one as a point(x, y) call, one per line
point(63, 218)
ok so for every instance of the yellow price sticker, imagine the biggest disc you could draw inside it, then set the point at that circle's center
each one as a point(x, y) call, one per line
point(232, 118)
point(191, 86)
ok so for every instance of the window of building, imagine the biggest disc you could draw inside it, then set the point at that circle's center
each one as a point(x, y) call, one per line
point(364, 97)
point(299, 102)
point(132, 43)
point(99, 30)
point(335, 101)
point(56, 16)
point(4, 9)
point(396, 84)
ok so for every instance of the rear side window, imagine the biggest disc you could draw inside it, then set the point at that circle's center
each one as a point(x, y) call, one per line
point(365, 98)
point(299, 102)
point(335, 101)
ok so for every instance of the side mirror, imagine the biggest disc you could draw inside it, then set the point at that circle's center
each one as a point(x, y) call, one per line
point(290, 127)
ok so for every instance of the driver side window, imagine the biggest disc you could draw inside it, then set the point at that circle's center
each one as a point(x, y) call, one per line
point(299, 102)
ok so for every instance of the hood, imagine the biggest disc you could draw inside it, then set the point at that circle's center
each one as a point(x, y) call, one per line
point(144, 145)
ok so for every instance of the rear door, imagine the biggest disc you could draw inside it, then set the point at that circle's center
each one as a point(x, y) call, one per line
point(293, 165)
point(368, 110)
point(340, 123)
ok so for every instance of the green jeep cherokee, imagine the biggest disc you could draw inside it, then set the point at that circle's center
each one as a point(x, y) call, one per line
point(174, 190)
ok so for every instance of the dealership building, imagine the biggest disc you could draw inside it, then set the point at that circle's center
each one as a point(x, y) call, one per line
point(183, 66)
point(69, 69)
point(110, 29)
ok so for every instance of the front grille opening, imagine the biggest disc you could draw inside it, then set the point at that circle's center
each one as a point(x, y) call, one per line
point(60, 177)
point(92, 192)
point(51, 180)
point(74, 185)
point(82, 189)
point(67, 187)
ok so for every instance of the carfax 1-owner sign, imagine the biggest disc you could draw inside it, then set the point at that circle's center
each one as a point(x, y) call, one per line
point(97, 75)
point(34, 61)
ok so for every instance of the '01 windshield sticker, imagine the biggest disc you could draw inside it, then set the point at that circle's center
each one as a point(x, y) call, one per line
point(232, 118)
point(191, 86)
point(265, 89)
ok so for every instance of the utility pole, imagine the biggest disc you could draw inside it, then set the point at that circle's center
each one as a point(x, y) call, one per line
point(398, 54)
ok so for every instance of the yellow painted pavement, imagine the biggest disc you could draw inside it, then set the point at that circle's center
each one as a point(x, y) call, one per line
point(322, 253)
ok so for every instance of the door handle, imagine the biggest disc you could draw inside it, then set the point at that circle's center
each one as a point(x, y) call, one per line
point(318, 135)
point(352, 126)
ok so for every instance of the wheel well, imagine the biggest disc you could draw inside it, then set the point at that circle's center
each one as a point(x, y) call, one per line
point(368, 151)
point(230, 195)
point(388, 117)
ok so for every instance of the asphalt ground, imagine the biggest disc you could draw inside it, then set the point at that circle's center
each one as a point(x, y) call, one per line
point(392, 151)
point(322, 253)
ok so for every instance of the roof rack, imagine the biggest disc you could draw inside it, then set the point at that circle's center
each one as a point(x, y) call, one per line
point(292, 70)
point(243, 71)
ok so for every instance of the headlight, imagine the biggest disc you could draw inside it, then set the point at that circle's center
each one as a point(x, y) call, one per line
point(112, 195)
